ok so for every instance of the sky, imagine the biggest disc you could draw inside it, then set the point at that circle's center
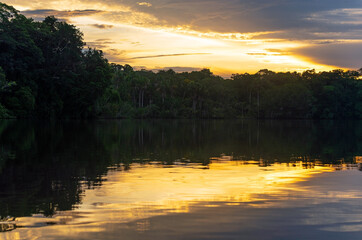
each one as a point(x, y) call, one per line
point(229, 36)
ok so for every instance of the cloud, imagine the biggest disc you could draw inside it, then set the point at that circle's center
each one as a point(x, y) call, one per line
point(256, 16)
point(117, 14)
point(275, 51)
point(102, 44)
point(116, 55)
point(284, 19)
point(41, 13)
point(257, 54)
point(102, 26)
point(169, 55)
point(351, 16)
point(96, 45)
point(325, 28)
point(103, 39)
point(343, 54)
point(146, 4)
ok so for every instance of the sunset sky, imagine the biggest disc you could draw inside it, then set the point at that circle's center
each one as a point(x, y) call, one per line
point(231, 36)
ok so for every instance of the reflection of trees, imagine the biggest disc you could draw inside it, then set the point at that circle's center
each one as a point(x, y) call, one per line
point(45, 166)
point(268, 141)
point(6, 227)
point(49, 162)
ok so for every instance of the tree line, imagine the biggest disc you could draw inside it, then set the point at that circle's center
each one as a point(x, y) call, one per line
point(46, 71)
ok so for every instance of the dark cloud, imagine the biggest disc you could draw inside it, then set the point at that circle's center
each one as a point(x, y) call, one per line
point(96, 45)
point(101, 43)
point(42, 13)
point(103, 39)
point(345, 55)
point(117, 56)
point(289, 19)
point(170, 55)
point(314, 34)
point(293, 19)
point(102, 26)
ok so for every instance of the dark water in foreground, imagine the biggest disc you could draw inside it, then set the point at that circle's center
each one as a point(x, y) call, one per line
point(181, 180)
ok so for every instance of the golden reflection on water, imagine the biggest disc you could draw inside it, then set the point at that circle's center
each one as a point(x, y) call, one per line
point(151, 190)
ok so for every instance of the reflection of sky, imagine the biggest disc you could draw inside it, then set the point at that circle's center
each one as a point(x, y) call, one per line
point(227, 198)
point(226, 36)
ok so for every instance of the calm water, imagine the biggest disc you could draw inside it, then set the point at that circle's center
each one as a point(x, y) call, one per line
point(181, 180)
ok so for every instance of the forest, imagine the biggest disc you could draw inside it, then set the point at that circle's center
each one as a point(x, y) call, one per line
point(48, 72)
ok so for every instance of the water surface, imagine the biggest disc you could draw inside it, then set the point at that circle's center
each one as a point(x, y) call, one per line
point(219, 179)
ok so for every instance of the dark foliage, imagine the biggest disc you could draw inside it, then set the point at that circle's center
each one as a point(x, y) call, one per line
point(46, 70)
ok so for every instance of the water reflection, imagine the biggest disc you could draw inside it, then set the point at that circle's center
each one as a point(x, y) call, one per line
point(72, 179)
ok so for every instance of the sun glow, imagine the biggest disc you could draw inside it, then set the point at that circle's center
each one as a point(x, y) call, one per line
point(154, 190)
point(128, 36)
point(145, 46)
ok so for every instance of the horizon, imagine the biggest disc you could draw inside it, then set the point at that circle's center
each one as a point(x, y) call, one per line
point(225, 37)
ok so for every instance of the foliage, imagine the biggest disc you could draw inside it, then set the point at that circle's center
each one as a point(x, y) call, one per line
point(48, 71)
point(200, 94)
